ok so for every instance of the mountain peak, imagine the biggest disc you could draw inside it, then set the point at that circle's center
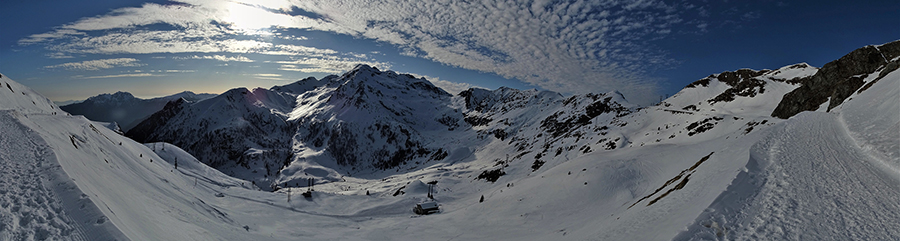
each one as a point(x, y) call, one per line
point(119, 96)
point(618, 97)
point(365, 67)
point(303, 85)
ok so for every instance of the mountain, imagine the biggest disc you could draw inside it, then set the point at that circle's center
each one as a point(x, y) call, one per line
point(67, 102)
point(368, 122)
point(67, 178)
point(710, 162)
point(838, 79)
point(123, 108)
point(257, 134)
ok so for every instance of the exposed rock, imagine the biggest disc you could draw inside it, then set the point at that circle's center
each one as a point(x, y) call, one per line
point(728, 77)
point(745, 87)
point(491, 175)
point(142, 131)
point(836, 80)
point(890, 67)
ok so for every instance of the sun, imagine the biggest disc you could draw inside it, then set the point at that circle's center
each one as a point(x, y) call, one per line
point(244, 17)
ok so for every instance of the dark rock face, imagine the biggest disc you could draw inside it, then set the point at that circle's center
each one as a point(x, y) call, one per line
point(728, 77)
point(733, 78)
point(219, 130)
point(559, 124)
point(836, 80)
point(890, 67)
point(742, 83)
point(144, 129)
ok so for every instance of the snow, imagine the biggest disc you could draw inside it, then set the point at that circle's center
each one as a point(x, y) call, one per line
point(807, 181)
point(800, 70)
point(873, 119)
point(818, 176)
point(746, 175)
point(776, 84)
point(29, 208)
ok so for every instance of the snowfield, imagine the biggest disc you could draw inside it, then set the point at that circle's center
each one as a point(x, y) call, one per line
point(686, 169)
point(801, 188)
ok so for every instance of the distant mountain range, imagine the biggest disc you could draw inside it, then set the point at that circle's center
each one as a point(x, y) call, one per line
point(368, 121)
point(798, 152)
point(67, 102)
point(125, 109)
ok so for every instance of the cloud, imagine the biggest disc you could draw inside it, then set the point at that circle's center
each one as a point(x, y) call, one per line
point(49, 36)
point(327, 64)
point(751, 16)
point(702, 26)
point(59, 56)
point(269, 77)
point(564, 46)
point(116, 76)
point(222, 58)
point(98, 64)
point(449, 86)
point(194, 27)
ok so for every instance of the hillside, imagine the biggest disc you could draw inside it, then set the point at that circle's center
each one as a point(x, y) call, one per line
point(710, 162)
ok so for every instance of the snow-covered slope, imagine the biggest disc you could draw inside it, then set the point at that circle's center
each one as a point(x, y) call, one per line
point(369, 122)
point(507, 164)
point(838, 79)
point(741, 91)
point(65, 178)
point(125, 109)
point(818, 176)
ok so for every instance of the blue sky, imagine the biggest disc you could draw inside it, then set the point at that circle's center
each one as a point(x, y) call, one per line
point(73, 49)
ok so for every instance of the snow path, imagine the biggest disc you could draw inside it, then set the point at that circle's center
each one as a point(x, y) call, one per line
point(28, 209)
point(807, 181)
point(39, 200)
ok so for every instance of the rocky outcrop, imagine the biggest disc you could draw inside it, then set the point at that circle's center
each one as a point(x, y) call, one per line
point(145, 128)
point(728, 77)
point(237, 128)
point(836, 80)
point(742, 82)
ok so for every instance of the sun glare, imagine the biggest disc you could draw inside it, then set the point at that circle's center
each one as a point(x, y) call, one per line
point(252, 19)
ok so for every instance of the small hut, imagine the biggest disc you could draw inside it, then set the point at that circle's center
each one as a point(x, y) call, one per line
point(425, 208)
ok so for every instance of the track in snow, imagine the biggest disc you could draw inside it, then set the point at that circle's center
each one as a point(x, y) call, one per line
point(29, 210)
point(807, 181)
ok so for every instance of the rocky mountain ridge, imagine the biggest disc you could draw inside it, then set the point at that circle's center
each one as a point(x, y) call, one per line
point(839, 79)
point(708, 163)
point(372, 123)
point(125, 109)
